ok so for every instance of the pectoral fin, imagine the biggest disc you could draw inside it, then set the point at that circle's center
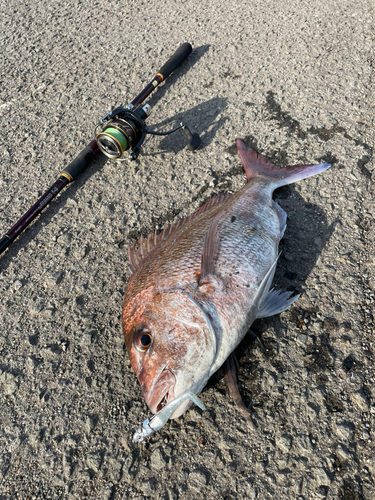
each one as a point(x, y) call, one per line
point(210, 251)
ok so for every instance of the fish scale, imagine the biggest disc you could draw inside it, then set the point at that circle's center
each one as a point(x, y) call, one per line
point(196, 288)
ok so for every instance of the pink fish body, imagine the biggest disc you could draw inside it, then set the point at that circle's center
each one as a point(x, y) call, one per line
point(196, 288)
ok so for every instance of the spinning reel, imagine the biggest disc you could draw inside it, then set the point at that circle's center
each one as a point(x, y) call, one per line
point(124, 128)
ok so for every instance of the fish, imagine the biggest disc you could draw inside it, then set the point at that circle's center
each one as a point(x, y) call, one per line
point(196, 287)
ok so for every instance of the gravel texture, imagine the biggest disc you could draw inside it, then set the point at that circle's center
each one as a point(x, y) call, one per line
point(294, 80)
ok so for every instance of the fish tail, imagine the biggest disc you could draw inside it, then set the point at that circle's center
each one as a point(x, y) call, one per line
point(257, 164)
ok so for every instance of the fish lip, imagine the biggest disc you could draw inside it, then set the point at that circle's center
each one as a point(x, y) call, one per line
point(163, 387)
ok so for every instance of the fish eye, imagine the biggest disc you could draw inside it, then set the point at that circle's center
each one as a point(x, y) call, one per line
point(142, 340)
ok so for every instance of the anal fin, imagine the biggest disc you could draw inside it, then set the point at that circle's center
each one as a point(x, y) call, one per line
point(276, 302)
point(265, 285)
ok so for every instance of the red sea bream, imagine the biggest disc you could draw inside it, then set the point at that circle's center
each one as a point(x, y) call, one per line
point(197, 287)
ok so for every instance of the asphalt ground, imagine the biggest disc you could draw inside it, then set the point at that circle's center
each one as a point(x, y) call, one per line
point(294, 80)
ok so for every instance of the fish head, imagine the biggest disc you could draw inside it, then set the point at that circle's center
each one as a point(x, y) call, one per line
point(171, 345)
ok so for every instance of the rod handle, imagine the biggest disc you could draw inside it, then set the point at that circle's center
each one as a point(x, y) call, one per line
point(178, 57)
point(81, 162)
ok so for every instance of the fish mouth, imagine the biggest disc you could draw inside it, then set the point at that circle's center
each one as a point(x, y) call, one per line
point(162, 391)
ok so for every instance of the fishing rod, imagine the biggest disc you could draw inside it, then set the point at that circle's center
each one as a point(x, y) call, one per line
point(119, 131)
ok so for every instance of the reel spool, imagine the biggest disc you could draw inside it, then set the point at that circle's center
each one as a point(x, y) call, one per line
point(116, 138)
point(123, 129)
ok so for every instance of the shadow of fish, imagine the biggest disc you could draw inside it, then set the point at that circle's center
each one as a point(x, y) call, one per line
point(197, 287)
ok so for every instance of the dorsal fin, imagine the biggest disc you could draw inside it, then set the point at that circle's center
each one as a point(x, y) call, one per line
point(256, 164)
point(147, 245)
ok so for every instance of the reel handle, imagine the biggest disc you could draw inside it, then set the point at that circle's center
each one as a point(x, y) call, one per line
point(178, 57)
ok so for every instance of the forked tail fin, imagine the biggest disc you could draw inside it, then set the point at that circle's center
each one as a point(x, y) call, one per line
point(257, 164)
